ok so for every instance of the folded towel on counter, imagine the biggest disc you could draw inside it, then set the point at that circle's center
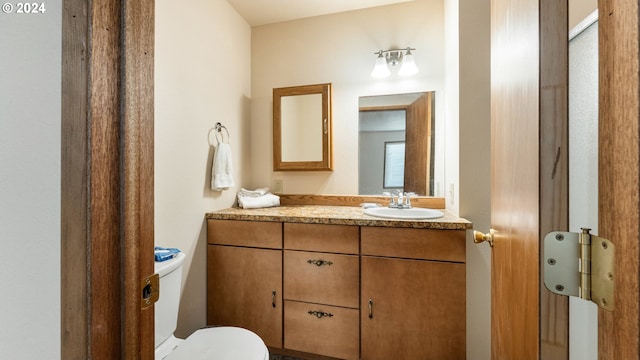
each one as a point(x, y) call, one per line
point(253, 193)
point(164, 254)
point(222, 169)
point(254, 201)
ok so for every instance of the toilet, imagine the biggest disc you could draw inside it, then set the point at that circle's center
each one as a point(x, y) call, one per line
point(223, 343)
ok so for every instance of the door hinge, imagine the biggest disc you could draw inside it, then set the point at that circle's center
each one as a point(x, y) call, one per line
point(149, 290)
point(580, 265)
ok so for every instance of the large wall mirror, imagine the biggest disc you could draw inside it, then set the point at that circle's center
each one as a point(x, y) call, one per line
point(396, 144)
point(302, 128)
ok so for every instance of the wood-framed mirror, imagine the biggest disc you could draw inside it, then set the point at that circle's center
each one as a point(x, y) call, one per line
point(302, 128)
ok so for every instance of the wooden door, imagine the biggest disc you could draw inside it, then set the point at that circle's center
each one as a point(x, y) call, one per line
point(619, 172)
point(244, 288)
point(416, 311)
point(418, 165)
point(107, 179)
point(529, 173)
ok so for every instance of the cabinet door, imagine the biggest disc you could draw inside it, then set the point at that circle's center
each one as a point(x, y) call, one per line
point(412, 309)
point(244, 288)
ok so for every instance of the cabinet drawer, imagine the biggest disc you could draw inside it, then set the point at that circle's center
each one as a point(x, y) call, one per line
point(321, 278)
point(321, 329)
point(427, 244)
point(262, 234)
point(318, 237)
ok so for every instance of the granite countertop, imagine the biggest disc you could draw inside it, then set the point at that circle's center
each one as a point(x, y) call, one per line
point(336, 215)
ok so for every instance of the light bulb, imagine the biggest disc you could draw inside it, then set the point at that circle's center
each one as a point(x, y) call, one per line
point(408, 67)
point(381, 69)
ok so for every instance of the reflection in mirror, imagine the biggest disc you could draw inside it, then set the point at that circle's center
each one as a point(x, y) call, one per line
point(302, 128)
point(301, 115)
point(393, 165)
point(406, 119)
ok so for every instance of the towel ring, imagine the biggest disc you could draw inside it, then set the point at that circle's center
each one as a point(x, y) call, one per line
point(218, 128)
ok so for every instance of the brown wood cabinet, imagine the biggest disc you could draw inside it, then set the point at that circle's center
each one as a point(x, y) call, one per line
point(341, 291)
point(244, 284)
point(412, 302)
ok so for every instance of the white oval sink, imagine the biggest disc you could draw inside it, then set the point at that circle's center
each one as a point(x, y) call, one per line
point(412, 213)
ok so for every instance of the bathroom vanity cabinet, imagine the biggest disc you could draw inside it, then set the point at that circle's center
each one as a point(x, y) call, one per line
point(347, 288)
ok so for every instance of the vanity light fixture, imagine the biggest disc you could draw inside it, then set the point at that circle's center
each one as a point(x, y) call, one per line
point(387, 58)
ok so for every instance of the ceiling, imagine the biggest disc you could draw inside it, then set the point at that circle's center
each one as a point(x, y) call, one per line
point(261, 12)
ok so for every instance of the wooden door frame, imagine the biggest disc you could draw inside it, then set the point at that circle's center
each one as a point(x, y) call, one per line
point(107, 178)
point(619, 172)
point(554, 165)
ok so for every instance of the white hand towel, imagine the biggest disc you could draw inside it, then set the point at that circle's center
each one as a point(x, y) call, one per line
point(222, 169)
point(253, 193)
point(255, 202)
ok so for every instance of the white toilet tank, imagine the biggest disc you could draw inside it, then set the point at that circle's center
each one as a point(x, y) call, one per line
point(166, 309)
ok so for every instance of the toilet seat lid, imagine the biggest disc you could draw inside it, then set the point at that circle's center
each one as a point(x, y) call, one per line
point(228, 343)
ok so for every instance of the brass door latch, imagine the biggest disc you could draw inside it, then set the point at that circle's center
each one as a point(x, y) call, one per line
point(149, 290)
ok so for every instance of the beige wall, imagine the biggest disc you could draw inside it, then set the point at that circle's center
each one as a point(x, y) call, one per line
point(202, 75)
point(475, 161)
point(339, 48)
point(452, 104)
point(468, 192)
point(579, 9)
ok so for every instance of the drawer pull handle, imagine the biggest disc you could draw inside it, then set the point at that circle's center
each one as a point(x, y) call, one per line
point(319, 262)
point(319, 314)
point(273, 298)
point(370, 308)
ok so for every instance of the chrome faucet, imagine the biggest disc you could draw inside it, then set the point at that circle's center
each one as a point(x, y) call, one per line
point(401, 200)
point(392, 200)
point(407, 199)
